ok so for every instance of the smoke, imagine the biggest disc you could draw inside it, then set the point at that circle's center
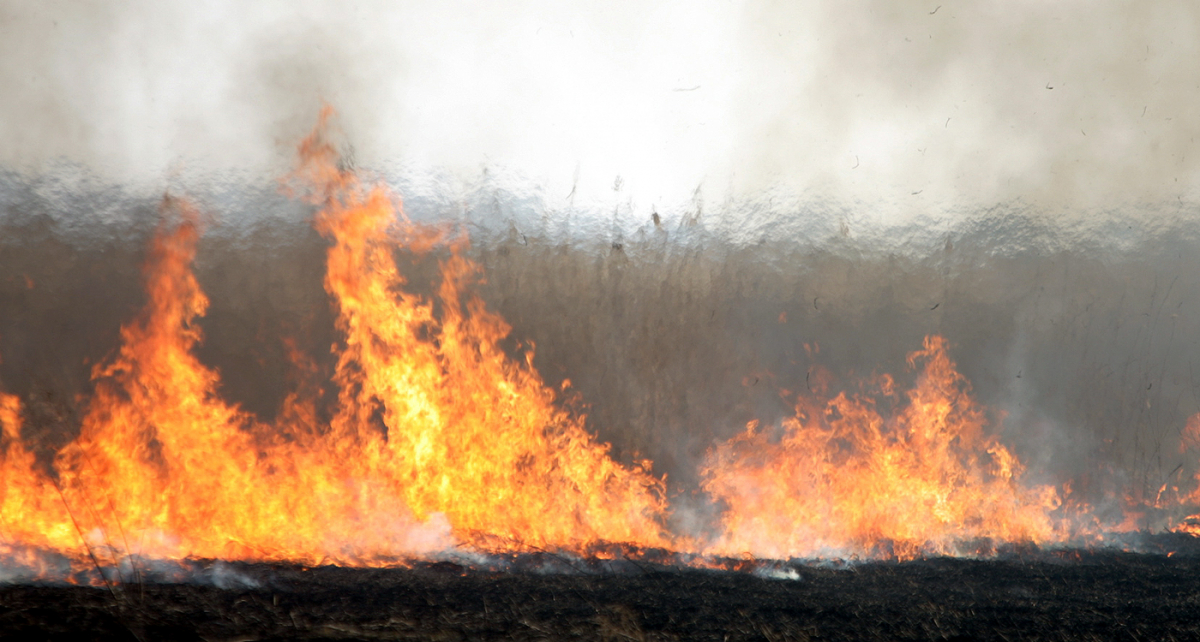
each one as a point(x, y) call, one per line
point(901, 108)
point(670, 199)
point(1061, 105)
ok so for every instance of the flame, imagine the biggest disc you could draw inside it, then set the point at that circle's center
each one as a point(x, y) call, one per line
point(844, 479)
point(1189, 441)
point(463, 430)
point(32, 515)
point(439, 439)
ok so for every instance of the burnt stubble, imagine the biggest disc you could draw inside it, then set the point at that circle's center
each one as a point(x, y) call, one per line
point(1022, 594)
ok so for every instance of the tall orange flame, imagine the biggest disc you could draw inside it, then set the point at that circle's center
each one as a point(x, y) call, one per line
point(32, 515)
point(440, 438)
point(463, 430)
point(162, 465)
point(843, 479)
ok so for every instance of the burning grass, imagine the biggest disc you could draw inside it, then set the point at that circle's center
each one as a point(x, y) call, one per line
point(444, 441)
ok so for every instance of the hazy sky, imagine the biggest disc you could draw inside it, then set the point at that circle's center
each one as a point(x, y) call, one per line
point(910, 104)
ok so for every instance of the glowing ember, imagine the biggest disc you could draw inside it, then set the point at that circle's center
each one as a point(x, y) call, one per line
point(1169, 495)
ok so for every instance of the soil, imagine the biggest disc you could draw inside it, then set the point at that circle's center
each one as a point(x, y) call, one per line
point(1017, 595)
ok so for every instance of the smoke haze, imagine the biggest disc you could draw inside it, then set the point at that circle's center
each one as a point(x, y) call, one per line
point(669, 199)
point(1063, 105)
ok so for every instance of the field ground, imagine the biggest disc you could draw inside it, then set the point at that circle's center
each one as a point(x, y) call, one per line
point(1019, 595)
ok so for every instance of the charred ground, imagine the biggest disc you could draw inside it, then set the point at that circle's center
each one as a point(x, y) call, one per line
point(1023, 594)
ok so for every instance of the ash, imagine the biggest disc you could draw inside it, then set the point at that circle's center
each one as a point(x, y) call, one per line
point(1148, 592)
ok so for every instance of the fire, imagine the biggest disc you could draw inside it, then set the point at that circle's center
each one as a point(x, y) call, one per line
point(439, 439)
point(32, 515)
point(463, 429)
point(845, 479)
point(1189, 442)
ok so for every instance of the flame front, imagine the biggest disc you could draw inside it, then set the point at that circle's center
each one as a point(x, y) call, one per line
point(164, 468)
point(440, 438)
point(845, 480)
point(462, 429)
point(33, 517)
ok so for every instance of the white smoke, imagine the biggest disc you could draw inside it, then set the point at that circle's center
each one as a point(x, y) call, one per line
point(898, 108)
point(1028, 169)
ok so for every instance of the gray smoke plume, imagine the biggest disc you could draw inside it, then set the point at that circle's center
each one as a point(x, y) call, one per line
point(1061, 105)
point(669, 199)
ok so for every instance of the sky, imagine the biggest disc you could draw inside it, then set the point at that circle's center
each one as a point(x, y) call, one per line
point(899, 107)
